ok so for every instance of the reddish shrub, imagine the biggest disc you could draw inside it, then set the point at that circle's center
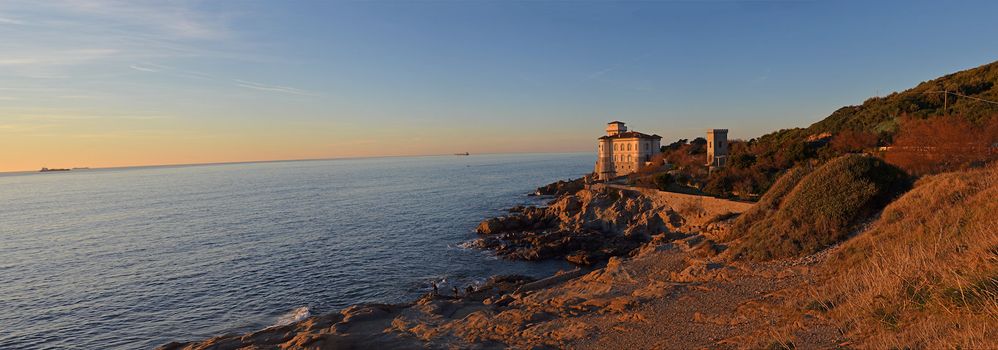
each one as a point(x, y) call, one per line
point(939, 144)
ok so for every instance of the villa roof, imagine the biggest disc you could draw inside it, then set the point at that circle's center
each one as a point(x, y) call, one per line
point(615, 122)
point(631, 135)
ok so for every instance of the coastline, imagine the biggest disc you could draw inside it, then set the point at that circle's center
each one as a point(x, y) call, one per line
point(651, 221)
point(696, 285)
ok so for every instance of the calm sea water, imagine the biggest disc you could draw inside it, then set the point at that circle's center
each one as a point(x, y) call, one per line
point(134, 258)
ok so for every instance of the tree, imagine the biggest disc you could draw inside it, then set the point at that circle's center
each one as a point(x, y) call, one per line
point(698, 145)
point(674, 146)
point(939, 144)
point(663, 180)
point(853, 141)
point(741, 161)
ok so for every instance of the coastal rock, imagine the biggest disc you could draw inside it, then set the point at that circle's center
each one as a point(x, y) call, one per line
point(561, 187)
point(489, 226)
point(584, 228)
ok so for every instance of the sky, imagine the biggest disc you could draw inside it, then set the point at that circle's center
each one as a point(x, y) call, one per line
point(119, 83)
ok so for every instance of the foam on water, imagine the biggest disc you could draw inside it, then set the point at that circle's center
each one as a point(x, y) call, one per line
point(295, 315)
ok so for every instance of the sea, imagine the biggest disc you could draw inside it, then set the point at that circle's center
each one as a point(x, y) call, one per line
point(133, 258)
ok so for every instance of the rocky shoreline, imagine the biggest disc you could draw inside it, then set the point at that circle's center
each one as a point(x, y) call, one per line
point(585, 225)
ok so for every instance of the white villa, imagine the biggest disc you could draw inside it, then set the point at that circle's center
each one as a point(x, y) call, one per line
point(622, 152)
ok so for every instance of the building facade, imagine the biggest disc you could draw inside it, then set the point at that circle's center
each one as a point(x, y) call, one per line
point(623, 152)
point(717, 147)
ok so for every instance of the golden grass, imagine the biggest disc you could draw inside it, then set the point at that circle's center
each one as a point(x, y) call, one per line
point(925, 275)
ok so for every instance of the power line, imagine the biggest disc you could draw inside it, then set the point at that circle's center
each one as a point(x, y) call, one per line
point(962, 95)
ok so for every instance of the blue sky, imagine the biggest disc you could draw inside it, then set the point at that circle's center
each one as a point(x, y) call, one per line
point(134, 82)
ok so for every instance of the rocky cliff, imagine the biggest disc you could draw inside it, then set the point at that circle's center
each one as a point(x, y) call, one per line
point(595, 223)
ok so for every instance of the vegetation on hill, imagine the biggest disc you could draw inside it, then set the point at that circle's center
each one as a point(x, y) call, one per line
point(770, 202)
point(929, 146)
point(925, 275)
point(881, 114)
point(929, 138)
point(809, 210)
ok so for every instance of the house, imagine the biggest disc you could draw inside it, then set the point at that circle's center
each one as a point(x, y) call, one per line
point(623, 152)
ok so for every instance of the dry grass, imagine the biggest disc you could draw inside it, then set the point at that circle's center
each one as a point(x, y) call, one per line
point(807, 211)
point(925, 275)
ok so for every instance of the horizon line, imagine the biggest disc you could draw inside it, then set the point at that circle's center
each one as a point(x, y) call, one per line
point(8, 172)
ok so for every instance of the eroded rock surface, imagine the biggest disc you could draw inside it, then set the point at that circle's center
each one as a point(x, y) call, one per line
point(562, 187)
point(586, 227)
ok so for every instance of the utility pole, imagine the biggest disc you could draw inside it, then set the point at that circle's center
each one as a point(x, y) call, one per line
point(945, 103)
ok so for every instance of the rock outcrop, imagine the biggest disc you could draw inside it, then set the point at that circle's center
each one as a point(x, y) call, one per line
point(562, 187)
point(584, 228)
point(367, 326)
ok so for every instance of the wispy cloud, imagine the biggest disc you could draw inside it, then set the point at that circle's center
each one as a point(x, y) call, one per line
point(172, 18)
point(158, 68)
point(273, 88)
point(49, 38)
point(39, 114)
point(146, 67)
point(764, 77)
point(598, 73)
point(58, 57)
point(25, 127)
point(7, 20)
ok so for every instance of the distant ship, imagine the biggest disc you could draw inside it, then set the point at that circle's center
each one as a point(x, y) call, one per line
point(462, 154)
point(45, 170)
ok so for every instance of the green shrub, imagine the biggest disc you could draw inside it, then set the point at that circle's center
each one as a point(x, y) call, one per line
point(806, 211)
point(771, 200)
point(663, 180)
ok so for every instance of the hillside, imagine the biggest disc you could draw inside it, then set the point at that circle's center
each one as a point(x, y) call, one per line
point(808, 210)
point(879, 114)
point(924, 275)
point(910, 119)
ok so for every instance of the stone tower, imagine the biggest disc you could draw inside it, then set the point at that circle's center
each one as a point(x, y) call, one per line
point(615, 127)
point(717, 147)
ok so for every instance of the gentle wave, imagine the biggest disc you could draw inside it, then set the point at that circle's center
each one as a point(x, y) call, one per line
point(295, 315)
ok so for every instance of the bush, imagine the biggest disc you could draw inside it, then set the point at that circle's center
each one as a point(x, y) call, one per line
point(663, 180)
point(741, 161)
point(808, 211)
point(940, 144)
point(770, 201)
point(717, 185)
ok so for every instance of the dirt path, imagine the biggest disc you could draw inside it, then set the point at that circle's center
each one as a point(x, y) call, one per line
point(742, 306)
